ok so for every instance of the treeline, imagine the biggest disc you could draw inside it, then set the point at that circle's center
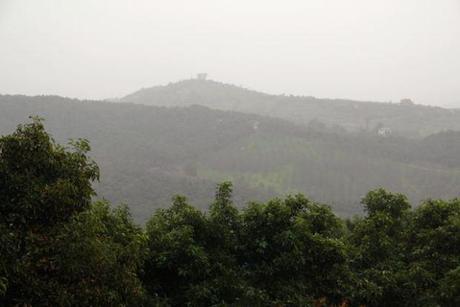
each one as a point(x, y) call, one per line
point(58, 247)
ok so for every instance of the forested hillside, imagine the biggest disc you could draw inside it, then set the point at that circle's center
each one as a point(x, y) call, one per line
point(403, 119)
point(148, 154)
point(59, 248)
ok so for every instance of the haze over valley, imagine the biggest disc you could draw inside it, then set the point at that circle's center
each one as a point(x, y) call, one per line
point(301, 153)
point(185, 137)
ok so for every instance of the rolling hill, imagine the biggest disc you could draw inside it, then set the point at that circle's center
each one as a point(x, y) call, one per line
point(404, 119)
point(147, 154)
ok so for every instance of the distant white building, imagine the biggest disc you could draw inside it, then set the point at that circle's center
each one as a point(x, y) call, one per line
point(384, 132)
point(202, 76)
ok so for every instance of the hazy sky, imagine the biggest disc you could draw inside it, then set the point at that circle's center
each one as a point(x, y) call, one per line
point(361, 49)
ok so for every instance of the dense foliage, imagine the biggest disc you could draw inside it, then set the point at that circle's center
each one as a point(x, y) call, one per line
point(59, 248)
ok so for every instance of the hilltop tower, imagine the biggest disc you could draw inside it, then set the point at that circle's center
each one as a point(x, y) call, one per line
point(201, 76)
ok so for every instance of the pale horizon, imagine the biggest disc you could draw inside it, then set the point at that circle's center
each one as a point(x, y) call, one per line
point(361, 50)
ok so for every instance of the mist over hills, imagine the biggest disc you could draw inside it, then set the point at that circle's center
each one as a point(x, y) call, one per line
point(323, 172)
point(147, 154)
point(404, 119)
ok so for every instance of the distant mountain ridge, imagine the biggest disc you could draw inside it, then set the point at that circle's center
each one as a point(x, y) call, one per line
point(403, 119)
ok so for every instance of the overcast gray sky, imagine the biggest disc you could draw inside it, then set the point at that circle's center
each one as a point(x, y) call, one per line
point(362, 49)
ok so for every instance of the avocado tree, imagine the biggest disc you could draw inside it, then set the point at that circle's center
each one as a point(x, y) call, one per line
point(192, 255)
point(57, 248)
point(292, 253)
point(380, 251)
point(435, 253)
